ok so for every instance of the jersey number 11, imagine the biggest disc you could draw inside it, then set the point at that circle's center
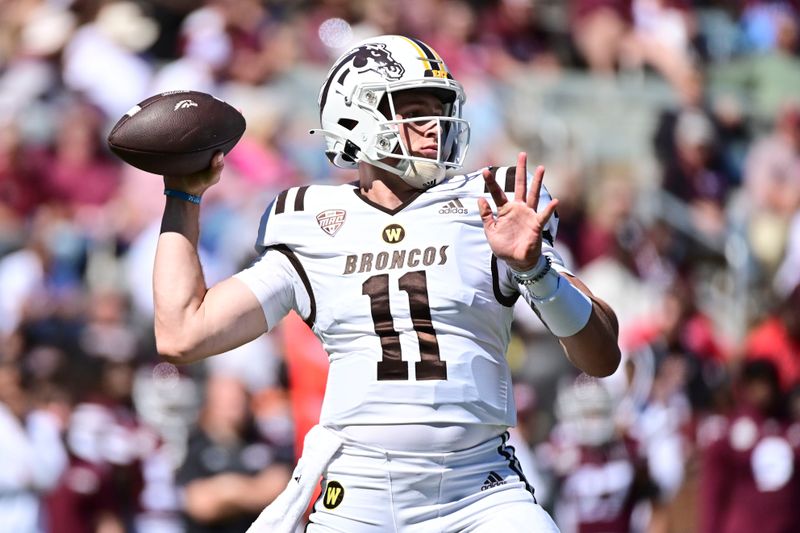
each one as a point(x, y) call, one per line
point(392, 366)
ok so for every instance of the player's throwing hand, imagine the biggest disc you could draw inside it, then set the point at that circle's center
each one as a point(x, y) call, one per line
point(515, 232)
point(198, 182)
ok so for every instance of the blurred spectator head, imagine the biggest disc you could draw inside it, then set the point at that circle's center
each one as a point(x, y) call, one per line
point(378, 17)
point(46, 30)
point(107, 333)
point(694, 137)
point(788, 123)
point(226, 407)
point(78, 131)
point(585, 410)
point(11, 391)
point(759, 386)
point(677, 306)
point(117, 381)
point(204, 38)
point(786, 36)
point(612, 197)
point(694, 130)
point(126, 24)
point(691, 90)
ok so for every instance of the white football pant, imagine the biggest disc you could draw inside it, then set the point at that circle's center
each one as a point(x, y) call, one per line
point(480, 490)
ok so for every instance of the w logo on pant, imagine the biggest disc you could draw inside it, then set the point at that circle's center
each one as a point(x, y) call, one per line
point(332, 495)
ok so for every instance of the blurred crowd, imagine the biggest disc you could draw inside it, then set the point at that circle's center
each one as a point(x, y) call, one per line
point(671, 134)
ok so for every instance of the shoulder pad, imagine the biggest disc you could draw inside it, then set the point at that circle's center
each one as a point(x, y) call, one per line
point(290, 201)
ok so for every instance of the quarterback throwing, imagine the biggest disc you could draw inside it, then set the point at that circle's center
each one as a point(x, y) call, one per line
point(408, 277)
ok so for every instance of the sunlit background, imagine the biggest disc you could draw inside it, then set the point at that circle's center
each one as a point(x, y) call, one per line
point(670, 131)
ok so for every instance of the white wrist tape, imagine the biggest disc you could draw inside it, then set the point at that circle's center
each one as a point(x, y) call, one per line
point(563, 308)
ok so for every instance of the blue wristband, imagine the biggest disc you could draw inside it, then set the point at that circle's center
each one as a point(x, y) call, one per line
point(195, 199)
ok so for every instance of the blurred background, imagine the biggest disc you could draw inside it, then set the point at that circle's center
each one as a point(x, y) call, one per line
point(670, 130)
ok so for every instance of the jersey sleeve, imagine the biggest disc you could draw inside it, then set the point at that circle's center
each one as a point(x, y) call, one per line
point(265, 229)
point(276, 284)
point(273, 277)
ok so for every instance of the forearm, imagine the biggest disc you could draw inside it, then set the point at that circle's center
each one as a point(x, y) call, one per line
point(586, 326)
point(178, 282)
point(594, 348)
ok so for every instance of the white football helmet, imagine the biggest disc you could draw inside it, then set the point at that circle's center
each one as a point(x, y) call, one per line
point(362, 82)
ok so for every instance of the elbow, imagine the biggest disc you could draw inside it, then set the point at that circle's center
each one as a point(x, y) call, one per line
point(174, 349)
point(598, 360)
point(606, 362)
point(610, 362)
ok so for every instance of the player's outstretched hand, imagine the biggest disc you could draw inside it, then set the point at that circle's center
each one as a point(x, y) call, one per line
point(198, 182)
point(515, 231)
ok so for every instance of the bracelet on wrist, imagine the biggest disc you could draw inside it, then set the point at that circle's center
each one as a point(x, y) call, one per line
point(182, 195)
point(539, 271)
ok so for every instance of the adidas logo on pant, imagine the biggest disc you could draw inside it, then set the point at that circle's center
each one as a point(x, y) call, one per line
point(494, 480)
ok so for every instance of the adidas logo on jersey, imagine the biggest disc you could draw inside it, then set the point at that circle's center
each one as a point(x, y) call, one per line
point(454, 207)
point(494, 480)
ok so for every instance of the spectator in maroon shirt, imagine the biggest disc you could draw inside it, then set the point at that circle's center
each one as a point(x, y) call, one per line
point(749, 479)
point(777, 339)
point(77, 170)
point(20, 190)
point(601, 473)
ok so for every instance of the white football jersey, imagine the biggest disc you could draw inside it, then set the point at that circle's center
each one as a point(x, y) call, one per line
point(410, 304)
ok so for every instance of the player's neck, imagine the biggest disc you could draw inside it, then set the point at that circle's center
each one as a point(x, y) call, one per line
point(383, 187)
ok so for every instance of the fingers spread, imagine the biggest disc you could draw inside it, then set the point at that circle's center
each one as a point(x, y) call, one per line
point(536, 186)
point(497, 193)
point(485, 210)
point(547, 212)
point(521, 177)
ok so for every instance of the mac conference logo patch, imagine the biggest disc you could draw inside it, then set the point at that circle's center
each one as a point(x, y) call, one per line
point(332, 495)
point(331, 220)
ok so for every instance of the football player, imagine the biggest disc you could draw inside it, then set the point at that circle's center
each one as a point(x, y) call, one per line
point(749, 475)
point(602, 473)
point(408, 276)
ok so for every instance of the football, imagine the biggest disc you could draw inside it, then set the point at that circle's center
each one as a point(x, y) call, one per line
point(176, 133)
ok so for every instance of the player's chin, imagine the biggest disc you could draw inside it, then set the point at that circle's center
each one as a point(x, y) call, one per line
point(428, 153)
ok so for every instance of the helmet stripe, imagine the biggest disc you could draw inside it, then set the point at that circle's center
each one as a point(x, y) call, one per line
point(433, 60)
point(422, 55)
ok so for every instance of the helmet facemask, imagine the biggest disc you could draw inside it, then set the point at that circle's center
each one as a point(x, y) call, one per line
point(359, 118)
point(452, 138)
